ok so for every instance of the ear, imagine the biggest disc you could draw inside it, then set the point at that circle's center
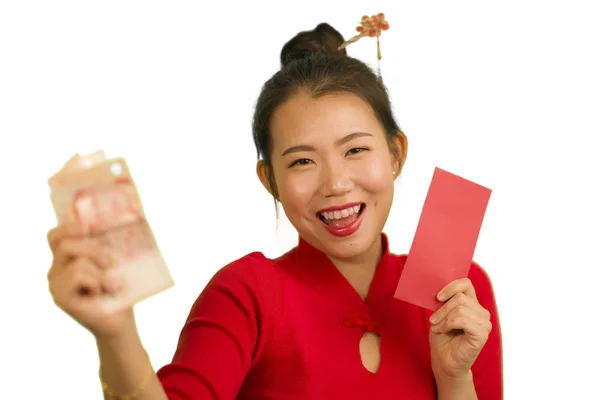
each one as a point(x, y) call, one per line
point(262, 171)
point(399, 157)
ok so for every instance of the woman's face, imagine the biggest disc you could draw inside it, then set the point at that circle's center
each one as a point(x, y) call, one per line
point(334, 171)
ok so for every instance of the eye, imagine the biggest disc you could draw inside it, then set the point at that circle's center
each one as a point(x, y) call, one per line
point(356, 150)
point(300, 161)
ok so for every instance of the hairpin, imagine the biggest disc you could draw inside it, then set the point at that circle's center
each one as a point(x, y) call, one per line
point(370, 26)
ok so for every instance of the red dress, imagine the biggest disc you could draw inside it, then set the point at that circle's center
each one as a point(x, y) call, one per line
point(289, 328)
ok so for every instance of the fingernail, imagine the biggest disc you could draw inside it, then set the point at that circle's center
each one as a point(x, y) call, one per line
point(441, 296)
point(433, 319)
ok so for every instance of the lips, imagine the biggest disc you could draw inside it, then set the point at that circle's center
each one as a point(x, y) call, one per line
point(344, 220)
point(337, 216)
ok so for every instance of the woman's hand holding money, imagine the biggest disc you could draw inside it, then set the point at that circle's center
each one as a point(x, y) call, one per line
point(78, 281)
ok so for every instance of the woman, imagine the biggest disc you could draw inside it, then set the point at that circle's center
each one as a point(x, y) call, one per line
point(320, 322)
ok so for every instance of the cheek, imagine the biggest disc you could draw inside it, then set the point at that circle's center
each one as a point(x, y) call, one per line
point(375, 174)
point(296, 191)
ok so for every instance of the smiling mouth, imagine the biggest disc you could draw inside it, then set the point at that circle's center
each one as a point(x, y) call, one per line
point(341, 218)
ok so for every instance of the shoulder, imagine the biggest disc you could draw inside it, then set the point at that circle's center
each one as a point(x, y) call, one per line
point(399, 259)
point(249, 269)
point(484, 289)
point(251, 279)
point(479, 277)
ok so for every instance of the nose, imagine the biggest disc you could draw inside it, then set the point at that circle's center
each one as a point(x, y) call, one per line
point(335, 180)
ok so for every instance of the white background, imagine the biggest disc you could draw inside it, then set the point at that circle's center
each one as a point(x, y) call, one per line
point(503, 93)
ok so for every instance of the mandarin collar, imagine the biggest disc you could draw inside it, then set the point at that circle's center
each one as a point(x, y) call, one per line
point(326, 277)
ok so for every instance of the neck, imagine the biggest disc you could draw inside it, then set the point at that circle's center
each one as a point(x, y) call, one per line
point(359, 270)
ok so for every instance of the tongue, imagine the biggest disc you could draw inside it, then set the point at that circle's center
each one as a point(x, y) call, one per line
point(343, 222)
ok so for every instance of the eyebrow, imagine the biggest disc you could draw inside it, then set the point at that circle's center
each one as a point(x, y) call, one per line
point(339, 142)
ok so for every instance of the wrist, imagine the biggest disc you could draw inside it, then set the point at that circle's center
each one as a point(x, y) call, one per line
point(125, 367)
point(118, 341)
point(451, 387)
point(121, 324)
point(453, 376)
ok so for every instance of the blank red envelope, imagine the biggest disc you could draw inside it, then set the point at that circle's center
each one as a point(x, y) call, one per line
point(444, 243)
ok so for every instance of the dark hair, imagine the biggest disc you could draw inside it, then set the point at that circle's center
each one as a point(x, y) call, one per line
point(323, 39)
point(312, 63)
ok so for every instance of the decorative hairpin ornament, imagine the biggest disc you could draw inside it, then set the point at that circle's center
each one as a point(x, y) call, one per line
point(372, 27)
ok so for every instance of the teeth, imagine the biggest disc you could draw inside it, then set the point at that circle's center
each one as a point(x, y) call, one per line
point(340, 213)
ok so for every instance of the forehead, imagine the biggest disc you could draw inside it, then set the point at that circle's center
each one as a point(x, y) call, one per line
point(305, 118)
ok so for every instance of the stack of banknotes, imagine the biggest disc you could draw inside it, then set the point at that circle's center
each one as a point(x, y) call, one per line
point(100, 196)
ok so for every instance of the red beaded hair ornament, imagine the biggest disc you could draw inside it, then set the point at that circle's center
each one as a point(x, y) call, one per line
point(372, 27)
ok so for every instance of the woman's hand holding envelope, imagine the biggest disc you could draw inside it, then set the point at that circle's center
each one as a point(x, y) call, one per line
point(459, 330)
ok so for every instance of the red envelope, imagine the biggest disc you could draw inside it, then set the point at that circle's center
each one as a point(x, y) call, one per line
point(444, 243)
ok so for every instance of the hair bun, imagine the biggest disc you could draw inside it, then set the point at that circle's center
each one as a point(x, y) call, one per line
point(322, 39)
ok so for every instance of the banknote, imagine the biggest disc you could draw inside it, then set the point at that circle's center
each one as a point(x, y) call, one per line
point(99, 195)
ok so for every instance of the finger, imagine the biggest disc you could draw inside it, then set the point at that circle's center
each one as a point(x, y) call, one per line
point(56, 234)
point(463, 285)
point(71, 248)
point(111, 283)
point(107, 282)
point(465, 319)
point(458, 300)
point(81, 279)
